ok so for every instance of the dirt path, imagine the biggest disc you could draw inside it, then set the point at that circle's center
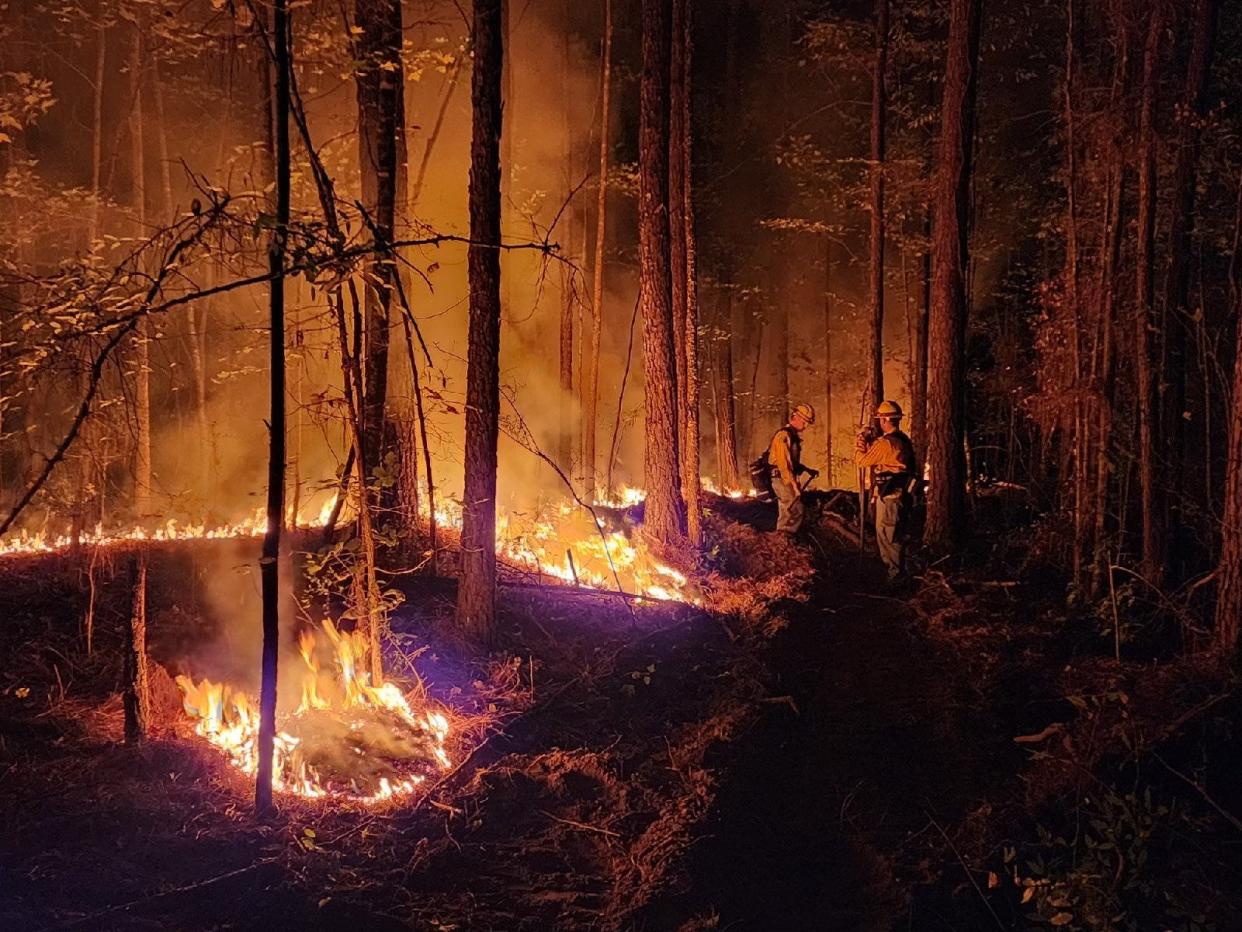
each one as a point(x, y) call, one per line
point(829, 810)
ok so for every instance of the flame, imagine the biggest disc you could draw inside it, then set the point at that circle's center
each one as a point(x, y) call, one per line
point(540, 541)
point(347, 739)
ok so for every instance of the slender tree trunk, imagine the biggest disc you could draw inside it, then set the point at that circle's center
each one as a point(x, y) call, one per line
point(1144, 324)
point(725, 409)
point(476, 594)
point(1177, 321)
point(269, 565)
point(1079, 434)
point(688, 323)
point(381, 87)
point(101, 57)
point(879, 103)
point(1228, 633)
point(137, 695)
point(918, 404)
point(829, 462)
point(591, 403)
point(664, 510)
point(142, 333)
point(570, 303)
point(1107, 367)
point(946, 388)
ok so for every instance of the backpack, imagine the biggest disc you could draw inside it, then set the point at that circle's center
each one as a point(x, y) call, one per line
point(761, 472)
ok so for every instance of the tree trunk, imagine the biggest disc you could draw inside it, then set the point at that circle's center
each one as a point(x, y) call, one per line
point(918, 403)
point(1177, 321)
point(1144, 322)
point(476, 594)
point(142, 333)
point(269, 565)
point(590, 408)
point(946, 343)
point(381, 86)
point(828, 394)
point(570, 303)
point(137, 696)
point(879, 101)
point(676, 208)
point(725, 409)
point(663, 515)
point(1228, 633)
point(688, 323)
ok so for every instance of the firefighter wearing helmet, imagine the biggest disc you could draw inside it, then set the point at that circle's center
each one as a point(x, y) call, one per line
point(784, 462)
point(891, 457)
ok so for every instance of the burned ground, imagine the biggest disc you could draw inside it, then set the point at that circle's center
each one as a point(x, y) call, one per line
point(818, 756)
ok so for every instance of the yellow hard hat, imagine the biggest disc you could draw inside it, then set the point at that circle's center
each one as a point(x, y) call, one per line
point(888, 409)
point(806, 411)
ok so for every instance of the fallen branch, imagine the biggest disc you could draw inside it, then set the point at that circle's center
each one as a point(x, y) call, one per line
point(1202, 791)
point(184, 888)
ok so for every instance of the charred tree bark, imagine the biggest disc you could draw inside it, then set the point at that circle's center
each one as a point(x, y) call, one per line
point(137, 695)
point(1144, 322)
point(269, 565)
point(664, 510)
point(476, 594)
point(879, 103)
point(946, 344)
point(590, 406)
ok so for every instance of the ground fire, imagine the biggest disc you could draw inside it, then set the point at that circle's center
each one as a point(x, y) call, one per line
point(346, 738)
point(620, 465)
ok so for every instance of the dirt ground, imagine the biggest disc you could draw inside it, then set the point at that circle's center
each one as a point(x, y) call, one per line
point(817, 754)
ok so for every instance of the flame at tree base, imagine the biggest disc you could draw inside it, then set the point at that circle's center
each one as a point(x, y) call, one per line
point(347, 739)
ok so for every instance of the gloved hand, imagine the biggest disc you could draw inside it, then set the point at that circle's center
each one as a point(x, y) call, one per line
point(813, 473)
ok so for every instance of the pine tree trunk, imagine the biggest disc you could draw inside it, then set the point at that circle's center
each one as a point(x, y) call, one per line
point(142, 333)
point(590, 406)
point(688, 323)
point(269, 565)
point(664, 510)
point(676, 208)
point(1144, 322)
point(946, 343)
point(879, 101)
point(381, 86)
point(476, 594)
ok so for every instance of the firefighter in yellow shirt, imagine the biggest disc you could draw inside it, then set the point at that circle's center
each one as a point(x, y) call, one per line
point(891, 455)
point(785, 460)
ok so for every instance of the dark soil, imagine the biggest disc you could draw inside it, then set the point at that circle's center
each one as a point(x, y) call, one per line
point(825, 756)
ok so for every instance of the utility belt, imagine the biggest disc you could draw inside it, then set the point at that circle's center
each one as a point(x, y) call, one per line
point(888, 484)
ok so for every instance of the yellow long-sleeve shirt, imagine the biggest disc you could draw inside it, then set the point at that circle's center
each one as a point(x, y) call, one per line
point(785, 455)
point(891, 453)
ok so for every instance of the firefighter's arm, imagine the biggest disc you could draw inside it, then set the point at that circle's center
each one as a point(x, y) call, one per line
point(870, 454)
point(781, 457)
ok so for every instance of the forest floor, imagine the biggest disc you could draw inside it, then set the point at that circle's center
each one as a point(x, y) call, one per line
point(812, 753)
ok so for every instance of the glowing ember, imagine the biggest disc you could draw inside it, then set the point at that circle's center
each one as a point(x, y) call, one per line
point(347, 739)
